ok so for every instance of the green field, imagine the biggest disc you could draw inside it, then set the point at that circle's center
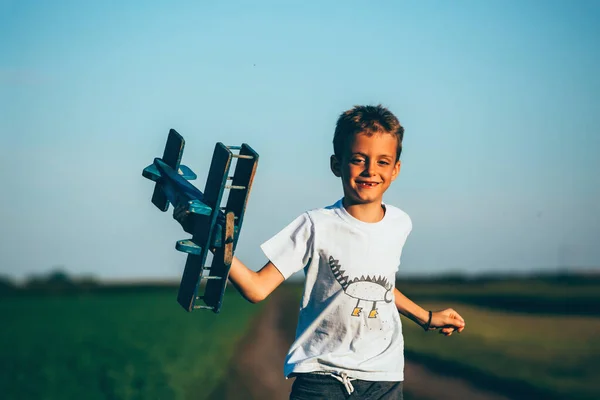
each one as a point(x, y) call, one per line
point(139, 344)
point(116, 346)
point(545, 295)
point(550, 354)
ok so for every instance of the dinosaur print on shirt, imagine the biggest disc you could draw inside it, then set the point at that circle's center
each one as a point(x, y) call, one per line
point(373, 289)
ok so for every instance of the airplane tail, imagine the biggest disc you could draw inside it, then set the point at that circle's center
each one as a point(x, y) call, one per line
point(151, 172)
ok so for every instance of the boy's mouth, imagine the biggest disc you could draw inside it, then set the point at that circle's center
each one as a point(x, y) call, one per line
point(365, 184)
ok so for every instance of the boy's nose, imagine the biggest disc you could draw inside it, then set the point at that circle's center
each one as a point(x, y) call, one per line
point(370, 168)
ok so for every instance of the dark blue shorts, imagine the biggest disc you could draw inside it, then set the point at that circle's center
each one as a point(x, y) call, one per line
point(326, 387)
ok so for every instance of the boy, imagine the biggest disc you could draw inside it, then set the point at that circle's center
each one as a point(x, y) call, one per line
point(349, 336)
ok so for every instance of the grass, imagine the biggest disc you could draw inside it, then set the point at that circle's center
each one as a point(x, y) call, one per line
point(142, 345)
point(116, 346)
point(548, 296)
point(548, 355)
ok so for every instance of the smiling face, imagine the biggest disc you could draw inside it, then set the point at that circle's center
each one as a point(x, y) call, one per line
point(367, 167)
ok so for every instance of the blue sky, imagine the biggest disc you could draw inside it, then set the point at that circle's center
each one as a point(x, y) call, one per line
point(500, 102)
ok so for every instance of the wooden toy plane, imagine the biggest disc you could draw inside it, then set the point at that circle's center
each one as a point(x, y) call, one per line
point(214, 228)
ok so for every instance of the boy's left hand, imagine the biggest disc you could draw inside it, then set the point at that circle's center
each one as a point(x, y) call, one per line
point(448, 320)
point(184, 217)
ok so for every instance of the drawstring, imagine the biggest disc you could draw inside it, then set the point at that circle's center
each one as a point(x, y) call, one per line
point(346, 381)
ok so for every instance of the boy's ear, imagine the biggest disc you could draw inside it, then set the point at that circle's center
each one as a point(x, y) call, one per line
point(335, 166)
point(396, 170)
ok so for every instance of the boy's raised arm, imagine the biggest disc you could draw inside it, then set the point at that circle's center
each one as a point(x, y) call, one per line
point(254, 286)
point(448, 320)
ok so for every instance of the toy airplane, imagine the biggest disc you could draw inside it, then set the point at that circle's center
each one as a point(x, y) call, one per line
point(213, 227)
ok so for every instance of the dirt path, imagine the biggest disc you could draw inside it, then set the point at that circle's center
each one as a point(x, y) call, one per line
point(422, 383)
point(257, 370)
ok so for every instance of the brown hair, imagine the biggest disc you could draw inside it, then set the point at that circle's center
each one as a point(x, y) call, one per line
point(367, 120)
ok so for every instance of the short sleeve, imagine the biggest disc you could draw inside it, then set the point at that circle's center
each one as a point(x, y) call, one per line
point(290, 249)
point(408, 228)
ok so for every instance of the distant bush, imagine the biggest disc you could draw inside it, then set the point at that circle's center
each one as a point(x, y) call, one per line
point(7, 285)
point(58, 281)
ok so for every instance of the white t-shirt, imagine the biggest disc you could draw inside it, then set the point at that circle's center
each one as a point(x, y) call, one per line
point(348, 321)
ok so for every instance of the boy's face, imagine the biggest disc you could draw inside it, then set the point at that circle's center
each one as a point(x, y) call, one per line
point(367, 167)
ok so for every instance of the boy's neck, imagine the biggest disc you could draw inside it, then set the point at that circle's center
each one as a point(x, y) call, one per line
point(370, 212)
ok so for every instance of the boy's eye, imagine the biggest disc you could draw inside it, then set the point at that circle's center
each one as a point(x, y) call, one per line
point(356, 160)
point(384, 163)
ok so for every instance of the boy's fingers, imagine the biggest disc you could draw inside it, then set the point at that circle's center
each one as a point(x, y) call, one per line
point(461, 319)
point(455, 318)
point(449, 330)
point(455, 323)
point(453, 314)
point(448, 318)
point(180, 213)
